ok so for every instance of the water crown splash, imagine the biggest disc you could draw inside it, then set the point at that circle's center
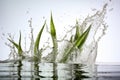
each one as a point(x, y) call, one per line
point(86, 54)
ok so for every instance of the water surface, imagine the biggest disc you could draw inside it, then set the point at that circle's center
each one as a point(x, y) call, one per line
point(28, 70)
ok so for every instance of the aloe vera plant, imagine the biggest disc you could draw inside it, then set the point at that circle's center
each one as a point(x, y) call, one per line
point(18, 46)
point(78, 43)
point(37, 42)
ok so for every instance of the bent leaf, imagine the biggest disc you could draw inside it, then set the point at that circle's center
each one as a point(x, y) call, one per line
point(18, 46)
point(54, 39)
point(77, 34)
point(37, 42)
point(80, 41)
point(52, 27)
point(15, 44)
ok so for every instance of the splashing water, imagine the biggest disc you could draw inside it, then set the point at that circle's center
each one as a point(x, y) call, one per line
point(85, 56)
point(88, 52)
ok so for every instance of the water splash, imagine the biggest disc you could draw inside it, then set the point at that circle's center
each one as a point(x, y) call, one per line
point(87, 54)
point(89, 50)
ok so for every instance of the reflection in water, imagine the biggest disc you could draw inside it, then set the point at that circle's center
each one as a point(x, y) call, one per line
point(45, 71)
point(22, 70)
point(36, 70)
point(78, 72)
point(55, 76)
point(19, 68)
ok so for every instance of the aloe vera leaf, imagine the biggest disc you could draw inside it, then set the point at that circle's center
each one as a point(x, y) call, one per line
point(54, 39)
point(67, 53)
point(37, 42)
point(19, 47)
point(52, 27)
point(79, 42)
point(77, 34)
point(15, 44)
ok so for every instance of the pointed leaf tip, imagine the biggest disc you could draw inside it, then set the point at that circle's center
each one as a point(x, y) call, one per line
point(52, 27)
point(37, 42)
point(80, 41)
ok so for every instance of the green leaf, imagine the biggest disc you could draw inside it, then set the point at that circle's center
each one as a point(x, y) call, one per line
point(18, 46)
point(80, 41)
point(54, 38)
point(66, 55)
point(37, 42)
point(52, 27)
point(15, 44)
point(77, 34)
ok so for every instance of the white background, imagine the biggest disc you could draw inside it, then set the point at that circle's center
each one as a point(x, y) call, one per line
point(14, 16)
